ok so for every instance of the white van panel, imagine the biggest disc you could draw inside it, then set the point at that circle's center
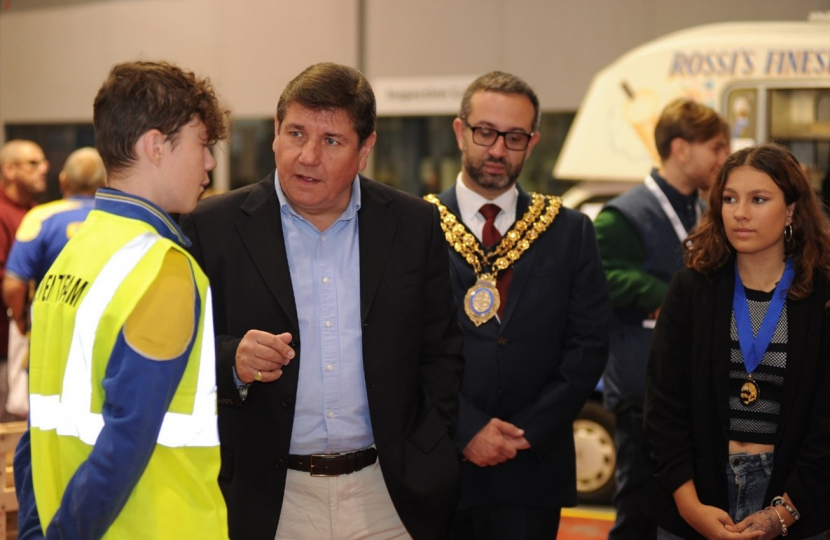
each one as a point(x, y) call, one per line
point(612, 135)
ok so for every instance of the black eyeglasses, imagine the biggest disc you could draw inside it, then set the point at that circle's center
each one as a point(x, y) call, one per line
point(485, 136)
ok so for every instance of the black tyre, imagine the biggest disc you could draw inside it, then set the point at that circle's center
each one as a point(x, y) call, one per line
point(596, 454)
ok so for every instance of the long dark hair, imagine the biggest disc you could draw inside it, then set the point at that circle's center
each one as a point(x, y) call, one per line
point(709, 249)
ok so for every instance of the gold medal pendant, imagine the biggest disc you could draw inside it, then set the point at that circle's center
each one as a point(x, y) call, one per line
point(482, 300)
point(750, 392)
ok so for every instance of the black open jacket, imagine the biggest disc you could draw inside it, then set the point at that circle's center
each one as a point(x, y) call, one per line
point(687, 401)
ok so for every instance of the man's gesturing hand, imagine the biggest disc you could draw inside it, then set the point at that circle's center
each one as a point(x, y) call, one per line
point(264, 353)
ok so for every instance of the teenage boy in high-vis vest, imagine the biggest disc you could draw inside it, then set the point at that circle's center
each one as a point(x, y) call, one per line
point(123, 439)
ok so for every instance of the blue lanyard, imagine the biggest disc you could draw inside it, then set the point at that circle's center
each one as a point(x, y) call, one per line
point(754, 347)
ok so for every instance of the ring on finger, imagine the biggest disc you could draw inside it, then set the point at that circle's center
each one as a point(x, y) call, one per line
point(258, 376)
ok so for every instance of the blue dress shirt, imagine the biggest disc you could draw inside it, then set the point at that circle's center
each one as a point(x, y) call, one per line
point(332, 409)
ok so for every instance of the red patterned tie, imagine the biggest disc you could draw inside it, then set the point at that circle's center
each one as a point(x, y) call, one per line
point(490, 235)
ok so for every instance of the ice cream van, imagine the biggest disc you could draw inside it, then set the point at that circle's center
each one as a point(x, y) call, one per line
point(770, 80)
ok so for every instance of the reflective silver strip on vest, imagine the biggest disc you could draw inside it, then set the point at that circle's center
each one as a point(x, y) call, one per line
point(69, 414)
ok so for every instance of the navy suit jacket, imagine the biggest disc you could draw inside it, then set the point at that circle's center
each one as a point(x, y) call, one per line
point(411, 351)
point(538, 366)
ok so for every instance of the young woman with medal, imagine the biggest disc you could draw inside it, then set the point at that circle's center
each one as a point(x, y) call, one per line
point(737, 422)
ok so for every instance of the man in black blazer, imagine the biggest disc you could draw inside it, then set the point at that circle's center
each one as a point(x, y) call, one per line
point(535, 313)
point(338, 348)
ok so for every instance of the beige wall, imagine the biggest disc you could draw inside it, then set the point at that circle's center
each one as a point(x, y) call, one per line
point(53, 60)
point(54, 54)
point(556, 45)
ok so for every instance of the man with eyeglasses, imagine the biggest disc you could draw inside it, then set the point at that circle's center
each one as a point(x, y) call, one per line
point(534, 307)
point(23, 170)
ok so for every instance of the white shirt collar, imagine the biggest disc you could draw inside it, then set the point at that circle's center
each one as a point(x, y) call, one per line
point(469, 202)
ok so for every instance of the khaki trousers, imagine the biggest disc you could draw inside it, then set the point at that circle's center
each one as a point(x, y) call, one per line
point(349, 507)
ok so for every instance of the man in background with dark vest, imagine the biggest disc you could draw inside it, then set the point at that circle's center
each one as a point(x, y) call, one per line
point(641, 236)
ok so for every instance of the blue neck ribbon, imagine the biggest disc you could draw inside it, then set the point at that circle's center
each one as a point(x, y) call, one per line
point(754, 347)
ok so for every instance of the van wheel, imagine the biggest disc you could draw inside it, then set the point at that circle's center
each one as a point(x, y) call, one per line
point(596, 454)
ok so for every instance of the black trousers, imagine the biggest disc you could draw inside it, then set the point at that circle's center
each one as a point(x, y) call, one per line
point(504, 522)
point(633, 474)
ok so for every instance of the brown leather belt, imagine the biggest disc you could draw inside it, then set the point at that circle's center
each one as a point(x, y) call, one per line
point(333, 464)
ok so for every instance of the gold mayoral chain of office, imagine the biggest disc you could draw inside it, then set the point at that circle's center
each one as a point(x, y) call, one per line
point(482, 300)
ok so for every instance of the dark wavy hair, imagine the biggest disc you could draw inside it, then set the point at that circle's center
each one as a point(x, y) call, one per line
point(331, 87)
point(708, 248)
point(140, 96)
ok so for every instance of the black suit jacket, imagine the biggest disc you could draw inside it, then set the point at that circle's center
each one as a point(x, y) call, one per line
point(411, 351)
point(687, 401)
point(538, 366)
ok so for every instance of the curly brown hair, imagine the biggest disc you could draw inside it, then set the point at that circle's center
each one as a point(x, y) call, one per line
point(140, 96)
point(708, 248)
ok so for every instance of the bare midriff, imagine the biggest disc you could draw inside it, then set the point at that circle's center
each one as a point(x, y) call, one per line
point(738, 447)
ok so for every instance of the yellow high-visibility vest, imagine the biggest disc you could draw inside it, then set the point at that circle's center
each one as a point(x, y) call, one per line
point(78, 312)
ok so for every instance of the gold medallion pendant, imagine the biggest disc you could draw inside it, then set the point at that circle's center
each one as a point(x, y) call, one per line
point(750, 392)
point(482, 300)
